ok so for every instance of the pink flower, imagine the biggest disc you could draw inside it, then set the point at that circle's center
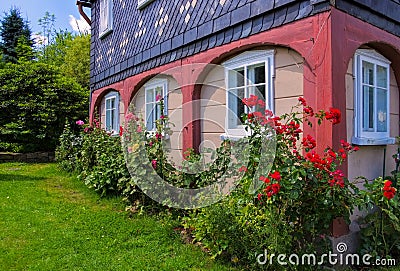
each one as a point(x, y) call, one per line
point(154, 163)
point(139, 129)
point(129, 117)
point(162, 117)
point(158, 136)
point(158, 97)
point(80, 122)
point(150, 143)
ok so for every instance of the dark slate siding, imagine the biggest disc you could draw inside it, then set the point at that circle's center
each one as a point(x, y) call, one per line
point(384, 14)
point(165, 31)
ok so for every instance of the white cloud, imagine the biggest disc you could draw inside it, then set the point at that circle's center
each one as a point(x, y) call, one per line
point(79, 25)
point(39, 39)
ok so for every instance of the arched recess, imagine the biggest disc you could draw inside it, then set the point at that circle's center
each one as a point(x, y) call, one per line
point(110, 110)
point(369, 161)
point(143, 104)
point(287, 86)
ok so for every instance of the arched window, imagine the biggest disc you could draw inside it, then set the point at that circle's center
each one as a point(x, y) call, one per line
point(249, 73)
point(372, 98)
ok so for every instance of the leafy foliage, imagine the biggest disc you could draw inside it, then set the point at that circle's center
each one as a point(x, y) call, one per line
point(95, 155)
point(39, 89)
point(71, 53)
point(35, 101)
point(380, 233)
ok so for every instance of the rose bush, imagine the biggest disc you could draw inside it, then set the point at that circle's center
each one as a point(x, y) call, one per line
point(301, 195)
point(380, 228)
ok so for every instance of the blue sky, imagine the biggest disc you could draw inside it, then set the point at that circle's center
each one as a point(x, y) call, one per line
point(66, 12)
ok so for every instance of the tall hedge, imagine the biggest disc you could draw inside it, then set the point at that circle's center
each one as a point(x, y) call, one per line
point(35, 101)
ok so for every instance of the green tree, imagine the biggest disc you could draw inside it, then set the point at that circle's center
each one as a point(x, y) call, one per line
point(12, 28)
point(64, 49)
point(77, 60)
point(35, 101)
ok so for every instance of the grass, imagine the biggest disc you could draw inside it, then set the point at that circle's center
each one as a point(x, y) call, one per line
point(50, 221)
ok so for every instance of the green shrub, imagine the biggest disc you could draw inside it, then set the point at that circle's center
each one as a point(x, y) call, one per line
point(95, 155)
point(35, 100)
point(68, 151)
point(380, 231)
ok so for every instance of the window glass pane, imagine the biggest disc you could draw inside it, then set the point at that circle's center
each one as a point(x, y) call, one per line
point(112, 101)
point(381, 76)
point(368, 109)
point(368, 73)
point(236, 78)
point(159, 91)
point(108, 120)
point(259, 91)
point(236, 107)
point(113, 122)
point(149, 117)
point(108, 104)
point(257, 74)
point(104, 15)
point(150, 95)
point(382, 110)
point(157, 111)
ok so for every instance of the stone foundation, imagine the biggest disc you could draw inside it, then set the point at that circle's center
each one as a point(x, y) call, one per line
point(35, 157)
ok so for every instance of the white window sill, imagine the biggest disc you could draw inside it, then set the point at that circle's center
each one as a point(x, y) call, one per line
point(151, 134)
point(362, 141)
point(105, 33)
point(143, 3)
point(225, 136)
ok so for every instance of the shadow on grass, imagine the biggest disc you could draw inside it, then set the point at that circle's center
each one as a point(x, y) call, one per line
point(19, 178)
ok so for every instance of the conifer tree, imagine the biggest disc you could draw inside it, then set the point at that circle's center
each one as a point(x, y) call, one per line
point(12, 28)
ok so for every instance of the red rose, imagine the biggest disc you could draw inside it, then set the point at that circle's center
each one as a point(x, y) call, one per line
point(333, 115)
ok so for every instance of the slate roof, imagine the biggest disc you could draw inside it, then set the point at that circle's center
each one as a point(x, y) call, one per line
point(165, 30)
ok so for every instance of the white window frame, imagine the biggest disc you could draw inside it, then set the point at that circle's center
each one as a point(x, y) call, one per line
point(105, 17)
point(143, 3)
point(114, 125)
point(244, 60)
point(163, 83)
point(369, 137)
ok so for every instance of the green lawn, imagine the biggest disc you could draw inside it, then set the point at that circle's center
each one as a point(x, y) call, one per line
point(50, 221)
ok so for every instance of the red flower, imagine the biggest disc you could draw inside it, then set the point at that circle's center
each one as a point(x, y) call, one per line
point(265, 180)
point(121, 130)
point(158, 136)
point(276, 187)
point(268, 113)
point(388, 191)
point(276, 175)
point(259, 196)
point(302, 101)
point(243, 169)
point(308, 110)
point(333, 115)
point(309, 142)
point(387, 183)
point(389, 195)
point(251, 101)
